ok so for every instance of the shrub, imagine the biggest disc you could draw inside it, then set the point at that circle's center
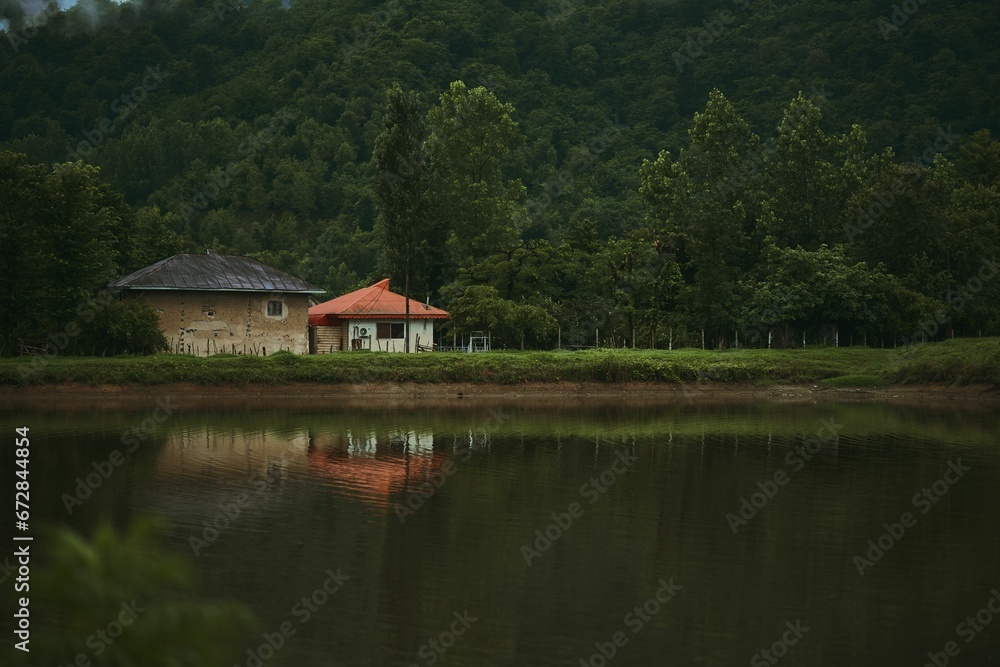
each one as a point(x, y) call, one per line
point(123, 327)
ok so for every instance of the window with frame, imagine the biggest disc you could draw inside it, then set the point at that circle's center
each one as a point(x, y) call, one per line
point(389, 330)
point(275, 308)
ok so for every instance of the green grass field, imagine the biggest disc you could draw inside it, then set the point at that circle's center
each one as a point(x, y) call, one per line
point(968, 361)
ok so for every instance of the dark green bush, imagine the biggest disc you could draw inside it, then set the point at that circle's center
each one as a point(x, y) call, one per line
point(122, 327)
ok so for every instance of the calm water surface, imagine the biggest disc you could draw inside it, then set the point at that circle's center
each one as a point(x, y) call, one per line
point(551, 527)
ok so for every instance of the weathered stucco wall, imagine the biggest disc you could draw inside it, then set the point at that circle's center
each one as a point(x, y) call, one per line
point(201, 323)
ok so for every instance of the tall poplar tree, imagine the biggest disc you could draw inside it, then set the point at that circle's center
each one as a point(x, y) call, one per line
point(401, 184)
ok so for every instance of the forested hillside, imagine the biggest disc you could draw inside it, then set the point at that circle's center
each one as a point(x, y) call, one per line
point(659, 171)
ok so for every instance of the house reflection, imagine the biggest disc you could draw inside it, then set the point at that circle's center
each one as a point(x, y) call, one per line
point(232, 455)
point(376, 467)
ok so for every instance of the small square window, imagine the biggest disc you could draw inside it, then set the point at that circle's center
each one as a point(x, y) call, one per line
point(275, 309)
point(386, 330)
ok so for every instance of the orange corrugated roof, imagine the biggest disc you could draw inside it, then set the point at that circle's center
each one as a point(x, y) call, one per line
point(374, 301)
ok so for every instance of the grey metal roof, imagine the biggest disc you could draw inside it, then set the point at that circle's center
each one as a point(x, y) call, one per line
point(213, 272)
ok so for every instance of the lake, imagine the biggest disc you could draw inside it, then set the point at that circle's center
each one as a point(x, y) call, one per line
point(559, 531)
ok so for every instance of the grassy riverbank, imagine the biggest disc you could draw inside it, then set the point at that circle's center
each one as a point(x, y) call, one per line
point(971, 361)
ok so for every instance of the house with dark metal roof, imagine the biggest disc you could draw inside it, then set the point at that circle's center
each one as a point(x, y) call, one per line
point(216, 303)
point(373, 318)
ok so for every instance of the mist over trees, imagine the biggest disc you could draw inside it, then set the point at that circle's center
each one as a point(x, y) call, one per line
point(646, 172)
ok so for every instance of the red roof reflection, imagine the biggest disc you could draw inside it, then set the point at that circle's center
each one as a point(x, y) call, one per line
point(374, 469)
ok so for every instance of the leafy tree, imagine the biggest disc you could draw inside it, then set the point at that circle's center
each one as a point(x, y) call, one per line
point(154, 240)
point(707, 204)
point(804, 289)
point(980, 160)
point(67, 235)
point(481, 308)
point(22, 274)
point(470, 133)
point(811, 176)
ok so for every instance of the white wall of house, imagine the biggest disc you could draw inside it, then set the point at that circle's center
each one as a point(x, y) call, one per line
point(421, 331)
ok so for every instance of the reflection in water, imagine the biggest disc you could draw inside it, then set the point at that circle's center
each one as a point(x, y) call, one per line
point(323, 486)
point(372, 467)
point(376, 467)
point(232, 454)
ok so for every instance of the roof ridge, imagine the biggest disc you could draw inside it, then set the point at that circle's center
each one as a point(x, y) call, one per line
point(376, 292)
point(144, 271)
point(362, 292)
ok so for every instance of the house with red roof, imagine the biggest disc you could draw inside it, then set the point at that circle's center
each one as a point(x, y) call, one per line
point(372, 318)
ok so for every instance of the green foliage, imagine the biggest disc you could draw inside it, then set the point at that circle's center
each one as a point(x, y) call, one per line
point(154, 240)
point(411, 238)
point(953, 361)
point(966, 361)
point(482, 308)
point(262, 130)
point(91, 582)
point(470, 134)
point(980, 160)
point(802, 287)
point(123, 327)
point(808, 232)
point(64, 234)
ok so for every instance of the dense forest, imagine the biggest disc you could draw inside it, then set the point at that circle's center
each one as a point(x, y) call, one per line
point(633, 172)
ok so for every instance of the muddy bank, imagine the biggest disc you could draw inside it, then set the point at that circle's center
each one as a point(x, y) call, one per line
point(311, 395)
